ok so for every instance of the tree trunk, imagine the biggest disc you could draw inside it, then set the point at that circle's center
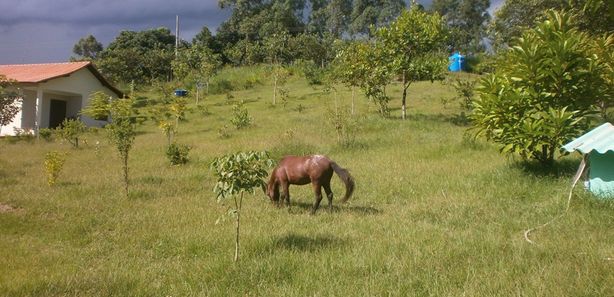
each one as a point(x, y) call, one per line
point(125, 157)
point(238, 225)
point(274, 87)
point(352, 100)
point(403, 106)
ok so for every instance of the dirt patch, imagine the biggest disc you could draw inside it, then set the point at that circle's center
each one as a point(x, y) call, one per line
point(6, 208)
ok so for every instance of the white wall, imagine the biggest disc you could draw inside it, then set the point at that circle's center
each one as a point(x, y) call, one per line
point(75, 89)
point(83, 83)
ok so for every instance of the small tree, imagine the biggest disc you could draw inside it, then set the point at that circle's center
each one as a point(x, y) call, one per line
point(209, 64)
point(240, 117)
point(236, 174)
point(411, 48)
point(71, 130)
point(360, 64)
point(9, 102)
point(276, 47)
point(122, 129)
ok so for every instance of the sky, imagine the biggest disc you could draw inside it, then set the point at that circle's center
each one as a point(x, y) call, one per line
point(45, 31)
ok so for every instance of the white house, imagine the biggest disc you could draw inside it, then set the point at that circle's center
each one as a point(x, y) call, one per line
point(53, 92)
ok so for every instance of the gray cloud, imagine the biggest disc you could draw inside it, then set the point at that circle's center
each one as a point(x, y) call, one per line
point(38, 31)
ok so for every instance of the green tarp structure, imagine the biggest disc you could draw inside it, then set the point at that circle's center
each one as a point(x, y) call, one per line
point(597, 147)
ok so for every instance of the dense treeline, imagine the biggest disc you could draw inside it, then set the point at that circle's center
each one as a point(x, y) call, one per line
point(284, 31)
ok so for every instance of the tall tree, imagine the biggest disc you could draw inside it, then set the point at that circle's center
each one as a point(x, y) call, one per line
point(140, 56)
point(204, 38)
point(330, 16)
point(367, 13)
point(251, 21)
point(592, 16)
point(87, 48)
point(468, 20)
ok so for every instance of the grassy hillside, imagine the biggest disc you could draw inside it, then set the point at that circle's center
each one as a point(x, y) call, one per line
point(434, 214)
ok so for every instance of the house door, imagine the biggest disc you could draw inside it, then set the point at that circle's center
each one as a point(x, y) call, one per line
point(57, 113)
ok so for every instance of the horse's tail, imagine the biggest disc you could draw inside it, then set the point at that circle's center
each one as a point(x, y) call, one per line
point(347, 179)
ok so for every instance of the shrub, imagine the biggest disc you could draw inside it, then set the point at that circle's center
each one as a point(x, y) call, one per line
point(178, 153)
point(71, 130)
point(543, 93)
point(313, 74)
point(343, 124)
point(223, 133)
point(54, 162)
point(45, 133)
point(240, 116)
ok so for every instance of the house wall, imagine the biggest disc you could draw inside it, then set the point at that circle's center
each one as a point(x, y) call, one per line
point(75, 89)
point(82, 83)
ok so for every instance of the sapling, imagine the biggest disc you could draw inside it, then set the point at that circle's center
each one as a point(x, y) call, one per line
point(71, 130)
point(122, 129)
point(236, 174)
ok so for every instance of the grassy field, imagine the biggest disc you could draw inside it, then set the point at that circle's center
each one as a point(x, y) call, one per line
point(434, 214)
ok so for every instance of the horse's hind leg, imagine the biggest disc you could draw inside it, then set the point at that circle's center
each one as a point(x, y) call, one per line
point(286, 193)
point(318, 191)
point(329, 195)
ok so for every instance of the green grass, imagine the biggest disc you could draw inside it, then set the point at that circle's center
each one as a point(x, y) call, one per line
point(434, 214)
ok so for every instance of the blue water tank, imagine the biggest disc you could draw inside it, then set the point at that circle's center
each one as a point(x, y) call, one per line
point(181, 93)
point(457, 62)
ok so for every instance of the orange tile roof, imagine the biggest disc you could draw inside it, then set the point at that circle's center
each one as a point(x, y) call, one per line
point(36, 73)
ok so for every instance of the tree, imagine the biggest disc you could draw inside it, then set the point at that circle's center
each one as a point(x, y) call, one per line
point(204, 38)
point(237, 174)
point(468, 20)
point(330, 16)
point(139, 56)
point(603, 48)
point(347, 67)
point(209, 64)
point(277, 47)
point(593, 16)
point(378, 13)
point(412, 48)
point(9, 102)
point(543, 92)
point(71, 130)
point(87, 48)
point(360, 64)
point(121, 131)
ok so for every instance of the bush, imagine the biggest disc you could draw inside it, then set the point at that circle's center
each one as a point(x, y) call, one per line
point(240, 117)
point(71, 131)
point(178, 153)
point(312, 72)
point(54, 162)
point(543, 93)
point(45, 133)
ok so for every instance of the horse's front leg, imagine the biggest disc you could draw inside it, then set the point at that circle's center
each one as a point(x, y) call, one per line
point(318, 192)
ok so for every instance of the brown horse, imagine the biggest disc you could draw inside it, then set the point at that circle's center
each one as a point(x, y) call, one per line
point(314, 169)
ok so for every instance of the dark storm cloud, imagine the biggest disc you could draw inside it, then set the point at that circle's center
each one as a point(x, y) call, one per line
point(37, 31)
point(104, 12)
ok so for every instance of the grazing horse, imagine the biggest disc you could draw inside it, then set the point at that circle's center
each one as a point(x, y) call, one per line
point(314, 169)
